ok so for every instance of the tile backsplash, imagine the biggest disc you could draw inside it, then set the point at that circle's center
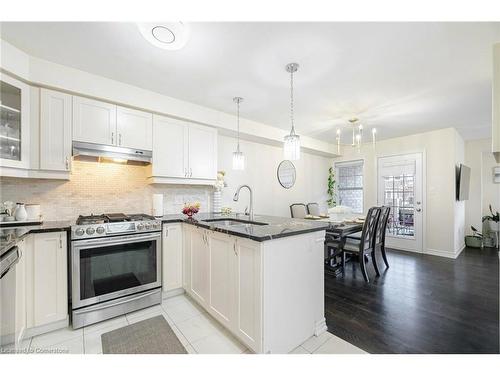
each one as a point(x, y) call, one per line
point(101, 187)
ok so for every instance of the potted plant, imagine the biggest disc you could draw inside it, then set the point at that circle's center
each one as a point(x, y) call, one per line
point(493, 219)
point(476, 240)
point(493, 222)
point(331, 188)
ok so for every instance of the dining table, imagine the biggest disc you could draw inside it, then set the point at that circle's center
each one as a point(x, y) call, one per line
point(341, 226)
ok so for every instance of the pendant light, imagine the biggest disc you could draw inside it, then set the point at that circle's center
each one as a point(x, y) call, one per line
point(292, 140)
point(238, 157)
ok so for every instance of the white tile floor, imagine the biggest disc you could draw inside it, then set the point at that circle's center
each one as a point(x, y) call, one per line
point(196, 330)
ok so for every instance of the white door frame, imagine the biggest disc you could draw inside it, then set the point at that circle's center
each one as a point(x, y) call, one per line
point(423, 189)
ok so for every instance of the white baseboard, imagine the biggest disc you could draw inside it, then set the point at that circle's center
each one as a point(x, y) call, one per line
point(441, 253)
point(35, 331)
point(172, 293)
point(459, 251)
point(320, 327)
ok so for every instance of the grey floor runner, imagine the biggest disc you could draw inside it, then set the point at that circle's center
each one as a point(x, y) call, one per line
point(150, 336)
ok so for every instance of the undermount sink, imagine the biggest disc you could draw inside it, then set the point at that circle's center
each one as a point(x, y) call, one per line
point(233, 222)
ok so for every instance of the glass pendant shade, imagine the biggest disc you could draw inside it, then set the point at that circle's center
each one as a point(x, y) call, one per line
point(238, 160)
point(292, 147)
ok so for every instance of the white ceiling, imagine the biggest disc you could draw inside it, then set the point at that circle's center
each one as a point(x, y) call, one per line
point(402, 78)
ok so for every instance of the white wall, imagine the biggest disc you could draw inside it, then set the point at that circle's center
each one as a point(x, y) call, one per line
point(459, 217)
point(261, 162)
point(483, 191)
point(441, 150)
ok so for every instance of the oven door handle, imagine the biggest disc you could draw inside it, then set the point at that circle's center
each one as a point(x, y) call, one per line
point(119, 239)
point(120, 301)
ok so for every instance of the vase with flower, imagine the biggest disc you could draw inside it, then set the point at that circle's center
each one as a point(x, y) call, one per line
point(191, 209)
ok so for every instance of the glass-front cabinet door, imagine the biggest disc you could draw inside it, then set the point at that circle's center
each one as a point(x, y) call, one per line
point(14, 123)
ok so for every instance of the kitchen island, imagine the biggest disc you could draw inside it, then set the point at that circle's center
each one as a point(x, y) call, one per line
point(261, 279)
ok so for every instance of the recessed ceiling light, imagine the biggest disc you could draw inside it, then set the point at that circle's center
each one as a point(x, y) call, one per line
point(163, 34)
point(166, 35)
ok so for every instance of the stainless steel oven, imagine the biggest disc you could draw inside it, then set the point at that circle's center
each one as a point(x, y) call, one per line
point(113, 275)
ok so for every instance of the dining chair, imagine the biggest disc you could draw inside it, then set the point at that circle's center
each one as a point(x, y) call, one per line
point(365, 245)
point(379, 236)
point(298, 210)
point(381, 230)
point(313, 209)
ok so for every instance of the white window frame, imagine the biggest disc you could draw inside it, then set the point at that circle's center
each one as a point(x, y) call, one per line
point(350, 163)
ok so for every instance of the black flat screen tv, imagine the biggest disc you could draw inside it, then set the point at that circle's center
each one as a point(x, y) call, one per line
point(463, 182)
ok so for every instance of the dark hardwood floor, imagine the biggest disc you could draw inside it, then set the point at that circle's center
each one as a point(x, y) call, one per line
point(421, 304)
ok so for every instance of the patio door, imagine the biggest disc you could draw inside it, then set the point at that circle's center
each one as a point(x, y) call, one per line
point(400, 188)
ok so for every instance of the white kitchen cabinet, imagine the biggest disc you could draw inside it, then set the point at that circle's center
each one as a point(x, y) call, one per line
point(199, 268)
point(269, 307)
point(134, 129)
point(225, 278)
point(172, 245)
point(47, 279)
point(21, 323)
point(247, 324)
point(14, 123)
point(222, 267)
point(183, 153)
point(202, 152)
point(169, 148)
point(94, 121)
point(55, 130)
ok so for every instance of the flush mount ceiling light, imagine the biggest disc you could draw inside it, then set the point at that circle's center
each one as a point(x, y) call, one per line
point(238, 157)
point(291, 146)
point(165, 35)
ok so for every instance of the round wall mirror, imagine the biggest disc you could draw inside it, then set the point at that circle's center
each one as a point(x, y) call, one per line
point(286, 174)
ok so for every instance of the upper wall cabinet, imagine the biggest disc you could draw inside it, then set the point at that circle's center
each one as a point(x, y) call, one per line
point(170, 153)
point(55, 130)
point(14, 123)
point(202, 152)
point(134, 129)
point(94, 121)
point(183, 152)
point(103, 123)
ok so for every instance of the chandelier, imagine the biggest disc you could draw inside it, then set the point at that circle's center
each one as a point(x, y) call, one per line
point(357, 134)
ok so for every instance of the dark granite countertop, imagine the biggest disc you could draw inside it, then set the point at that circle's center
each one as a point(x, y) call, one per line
point(9, 236)
point(276, 227)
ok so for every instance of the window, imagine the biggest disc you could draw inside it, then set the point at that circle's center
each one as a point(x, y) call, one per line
point(399, 195)
point(350, 185)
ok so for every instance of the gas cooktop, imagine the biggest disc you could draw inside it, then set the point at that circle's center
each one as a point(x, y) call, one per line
point(113, 224)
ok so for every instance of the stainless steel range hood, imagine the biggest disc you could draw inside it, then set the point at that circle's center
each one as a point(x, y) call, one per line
point(111, 152)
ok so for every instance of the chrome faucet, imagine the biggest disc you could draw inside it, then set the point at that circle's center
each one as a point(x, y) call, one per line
point(237, 196)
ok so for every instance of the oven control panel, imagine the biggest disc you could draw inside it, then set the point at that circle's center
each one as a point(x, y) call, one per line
point(113, 229)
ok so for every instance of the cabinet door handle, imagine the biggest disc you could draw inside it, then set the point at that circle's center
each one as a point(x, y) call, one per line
point(67, 163)
point(120, 139)
point(112, 138)
point(190, 172)
point(60, 242)
point(234, 248)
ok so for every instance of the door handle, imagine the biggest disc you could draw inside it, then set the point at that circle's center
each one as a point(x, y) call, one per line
point(112, 138)
point(67, 163)
point(234, 248)
point(419, 209)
